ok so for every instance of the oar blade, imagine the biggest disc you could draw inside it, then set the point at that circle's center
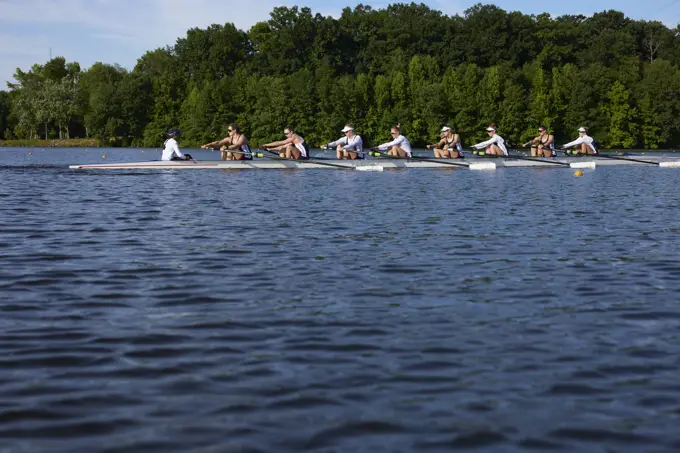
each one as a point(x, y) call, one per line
point(369, 168)
point(482, 166)
point(674, 164)
point(590, 164)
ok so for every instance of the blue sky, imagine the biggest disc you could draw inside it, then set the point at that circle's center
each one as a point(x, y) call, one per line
point(121, 31)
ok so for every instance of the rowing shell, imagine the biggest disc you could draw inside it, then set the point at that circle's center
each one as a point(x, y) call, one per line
point(474, 164)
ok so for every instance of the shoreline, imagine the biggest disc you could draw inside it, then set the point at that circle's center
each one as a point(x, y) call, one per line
point(56, 143)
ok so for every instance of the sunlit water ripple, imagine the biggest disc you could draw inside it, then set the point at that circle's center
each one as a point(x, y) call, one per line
point(330, 311)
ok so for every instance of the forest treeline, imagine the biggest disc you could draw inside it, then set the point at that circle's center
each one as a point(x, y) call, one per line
point(406, 63)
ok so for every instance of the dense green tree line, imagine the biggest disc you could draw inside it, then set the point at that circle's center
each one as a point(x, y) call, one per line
point(404, 64)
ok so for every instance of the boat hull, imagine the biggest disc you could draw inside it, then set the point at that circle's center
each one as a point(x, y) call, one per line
point(384, 163)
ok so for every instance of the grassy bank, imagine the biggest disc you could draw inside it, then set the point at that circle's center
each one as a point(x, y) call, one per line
point(66, 143)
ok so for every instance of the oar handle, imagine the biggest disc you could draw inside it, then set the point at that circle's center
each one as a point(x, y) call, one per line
point(251, 153)
point(276, 153)
point(476, 152)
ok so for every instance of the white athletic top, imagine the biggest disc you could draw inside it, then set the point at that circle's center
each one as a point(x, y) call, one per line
point(588, 140)
point(497, 139)
point(171, 149)
point(401, 141)
point(355, 142)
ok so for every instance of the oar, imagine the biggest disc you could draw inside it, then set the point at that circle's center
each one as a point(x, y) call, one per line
point(314, 161)
point(276, 153)
point(471, 166)
point(326, 148)
point(487, 166)
point(515, 156)
point(240, 152)
point(590, 164)
point(649, 162)
point(378, 153)
point(259, 155)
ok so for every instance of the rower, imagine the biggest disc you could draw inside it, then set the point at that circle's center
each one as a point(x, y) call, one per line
point(399, 146)
point(235, 141)
point(495, 146)
point(348, 147)
point(543, 145)
point(171, 148)
point(449, 147)
point(293, 147)
point(583, 145)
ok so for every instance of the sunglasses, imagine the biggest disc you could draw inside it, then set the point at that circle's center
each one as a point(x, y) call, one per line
point(287, 133)
point(230, 130)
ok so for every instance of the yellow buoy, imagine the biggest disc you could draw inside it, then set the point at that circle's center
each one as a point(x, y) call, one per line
point(578, 173)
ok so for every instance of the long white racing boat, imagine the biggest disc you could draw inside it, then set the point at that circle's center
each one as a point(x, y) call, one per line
point(380, 164)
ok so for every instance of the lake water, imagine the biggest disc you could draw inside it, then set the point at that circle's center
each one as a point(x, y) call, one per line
point(419, 310)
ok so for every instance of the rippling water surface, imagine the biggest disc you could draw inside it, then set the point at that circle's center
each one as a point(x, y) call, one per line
point(329, 311)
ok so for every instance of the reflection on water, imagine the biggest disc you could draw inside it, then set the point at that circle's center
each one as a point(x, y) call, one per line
point(331, 311)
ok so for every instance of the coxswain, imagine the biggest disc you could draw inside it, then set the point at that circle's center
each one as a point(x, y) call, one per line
point(171, 148)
